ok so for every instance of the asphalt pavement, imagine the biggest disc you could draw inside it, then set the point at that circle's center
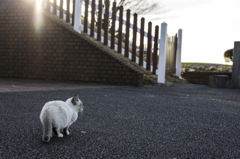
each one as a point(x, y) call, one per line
point(181, 121)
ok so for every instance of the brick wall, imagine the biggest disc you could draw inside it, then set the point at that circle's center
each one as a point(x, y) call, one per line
point(203, 77)
point(44, 47)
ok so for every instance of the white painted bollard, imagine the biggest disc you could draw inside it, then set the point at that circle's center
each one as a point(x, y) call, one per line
point(179, 52)
point(77, 15)
point(162, 54)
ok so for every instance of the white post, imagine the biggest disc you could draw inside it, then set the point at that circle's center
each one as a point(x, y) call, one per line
point(162, 54)
point(77, 15)
point(179, 52)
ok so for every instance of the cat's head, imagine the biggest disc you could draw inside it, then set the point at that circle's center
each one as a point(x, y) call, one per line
point(77, 103)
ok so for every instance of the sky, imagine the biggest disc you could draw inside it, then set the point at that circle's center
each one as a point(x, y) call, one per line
point(209, 27)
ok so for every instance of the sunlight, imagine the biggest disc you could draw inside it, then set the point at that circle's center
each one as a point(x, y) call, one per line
point(38, 4)
point(38, 20)
point(65, 5)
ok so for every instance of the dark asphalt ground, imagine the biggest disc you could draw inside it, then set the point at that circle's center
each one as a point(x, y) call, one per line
point(182, 121)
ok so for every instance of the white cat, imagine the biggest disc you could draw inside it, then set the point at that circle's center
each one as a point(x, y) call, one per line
point(57, 116)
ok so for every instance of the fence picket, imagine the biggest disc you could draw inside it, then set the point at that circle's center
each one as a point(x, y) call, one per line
point(55, 7)
point(67, 11)
point(73, 13)
point(155, 49)
point(169, 51)
point(113, 25)
point(106, 18)
point(141, 42)
point(179, 51)
point(134, 38)
point(120, 30)
point(175, 55)
point(149, 48)
point(86, 16)
point(92, 18)
point(48, 5)
point(99, 20)
point(61, 9)
point(127, 34)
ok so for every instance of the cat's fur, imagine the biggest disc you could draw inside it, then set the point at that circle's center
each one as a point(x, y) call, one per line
point(57, 116)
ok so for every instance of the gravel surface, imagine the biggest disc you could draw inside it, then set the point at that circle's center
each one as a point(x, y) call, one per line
point(182, 121)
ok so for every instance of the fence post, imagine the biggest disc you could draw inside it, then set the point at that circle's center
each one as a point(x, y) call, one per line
point(162, 54)
point(236, 64)
point(179, 51)
point(77, 15)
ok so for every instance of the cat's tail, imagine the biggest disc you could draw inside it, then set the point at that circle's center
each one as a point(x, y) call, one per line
point(47, 129)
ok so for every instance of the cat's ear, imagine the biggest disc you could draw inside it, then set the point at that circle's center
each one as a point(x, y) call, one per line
point(75, 99)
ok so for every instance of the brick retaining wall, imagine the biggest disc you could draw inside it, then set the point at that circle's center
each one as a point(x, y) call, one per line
point(203, 77)
point(51, 50)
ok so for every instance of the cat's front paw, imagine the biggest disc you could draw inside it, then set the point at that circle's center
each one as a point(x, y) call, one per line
point(60, 135)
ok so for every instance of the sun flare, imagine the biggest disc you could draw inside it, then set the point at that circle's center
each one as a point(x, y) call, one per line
point(38, 4)
point(38, 19)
